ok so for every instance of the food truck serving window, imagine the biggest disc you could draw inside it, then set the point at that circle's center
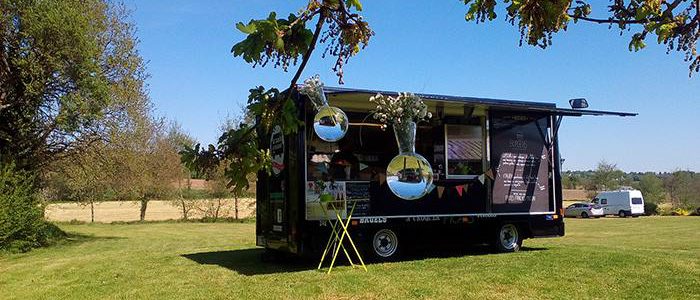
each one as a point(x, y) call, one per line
point(464, 150)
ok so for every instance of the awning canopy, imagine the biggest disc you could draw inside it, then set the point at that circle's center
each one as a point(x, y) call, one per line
point(549, 108)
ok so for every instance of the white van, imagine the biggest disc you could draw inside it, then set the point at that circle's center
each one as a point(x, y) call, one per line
point(622, 203)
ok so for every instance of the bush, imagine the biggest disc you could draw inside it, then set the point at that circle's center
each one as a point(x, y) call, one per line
point(681, 212)
point(665, 209)
point(696, 212)
point(650, 208)
point(22, 225)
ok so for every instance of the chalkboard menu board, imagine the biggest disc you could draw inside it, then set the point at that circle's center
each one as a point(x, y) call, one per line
point(520, 160)
point(359, 193)
point(357, 190)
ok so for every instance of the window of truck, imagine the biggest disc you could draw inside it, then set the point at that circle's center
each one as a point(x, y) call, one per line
point(464, 150)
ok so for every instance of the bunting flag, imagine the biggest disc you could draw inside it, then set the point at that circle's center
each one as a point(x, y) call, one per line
point(489, 174)
point(363, 166)
point(460, 189)
point(441, 189)
point(466, 187)
point(382, 179)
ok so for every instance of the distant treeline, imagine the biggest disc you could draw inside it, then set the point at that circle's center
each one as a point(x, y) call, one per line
point(677, 191)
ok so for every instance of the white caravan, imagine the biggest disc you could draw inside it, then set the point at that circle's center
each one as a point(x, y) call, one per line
point(622, 203)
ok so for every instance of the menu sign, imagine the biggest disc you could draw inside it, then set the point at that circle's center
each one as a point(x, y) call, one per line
point(520, 160)
point(357, 190)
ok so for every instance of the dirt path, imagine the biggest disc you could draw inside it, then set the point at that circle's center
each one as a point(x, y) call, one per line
point(110, 211)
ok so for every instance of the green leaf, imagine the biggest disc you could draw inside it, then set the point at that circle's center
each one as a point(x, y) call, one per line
point(250, 28)
point(279, 44)
point(355, 3)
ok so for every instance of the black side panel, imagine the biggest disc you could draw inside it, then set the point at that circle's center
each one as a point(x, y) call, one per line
point(262, 209)
point(470, 200)
point(520, 159)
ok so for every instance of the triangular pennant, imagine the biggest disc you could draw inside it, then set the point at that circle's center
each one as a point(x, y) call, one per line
point(460, 189)
point(441, 189)
point(466, 187)
point(481, 178)
point(382, 179)
point(489, 174)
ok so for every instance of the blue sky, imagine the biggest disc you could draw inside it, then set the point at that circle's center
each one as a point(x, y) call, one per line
point(431, 49)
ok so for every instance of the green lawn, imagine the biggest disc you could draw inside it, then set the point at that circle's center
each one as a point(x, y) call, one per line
point(649, 257)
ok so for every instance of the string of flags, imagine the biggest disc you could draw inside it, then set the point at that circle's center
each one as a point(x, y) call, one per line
point(461, 189)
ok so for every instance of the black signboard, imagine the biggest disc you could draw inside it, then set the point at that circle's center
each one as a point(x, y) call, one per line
point(357, 190)
point(520, 162)
point(362, 208)
point(358, 194)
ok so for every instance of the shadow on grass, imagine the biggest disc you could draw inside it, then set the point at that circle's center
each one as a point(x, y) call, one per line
point(73, 238)
point(250, 261)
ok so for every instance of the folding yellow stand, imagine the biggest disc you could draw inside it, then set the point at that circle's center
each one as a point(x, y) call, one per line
point(337, 236)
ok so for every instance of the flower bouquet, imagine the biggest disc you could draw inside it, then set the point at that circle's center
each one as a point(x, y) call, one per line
point(330, 123)
point(409, 174)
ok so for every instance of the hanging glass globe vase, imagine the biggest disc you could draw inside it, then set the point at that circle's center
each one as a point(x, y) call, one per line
point(330, 123)
point(409, 174)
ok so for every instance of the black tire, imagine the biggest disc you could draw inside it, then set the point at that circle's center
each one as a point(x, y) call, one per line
point(584, 215)
point(622, 214)
point(383, 245)
point(507, 238)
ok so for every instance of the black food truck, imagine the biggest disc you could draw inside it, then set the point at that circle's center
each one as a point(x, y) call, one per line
point(496, 176)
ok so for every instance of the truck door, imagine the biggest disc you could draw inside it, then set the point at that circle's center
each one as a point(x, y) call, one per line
point(604, 204)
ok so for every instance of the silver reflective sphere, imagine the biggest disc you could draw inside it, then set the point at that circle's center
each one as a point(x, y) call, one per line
point(409, 176)
point(330, 124)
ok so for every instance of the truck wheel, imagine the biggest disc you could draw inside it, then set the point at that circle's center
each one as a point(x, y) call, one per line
point(622, 214)
point(584, 215)
point(385, 245)
point(508, 238)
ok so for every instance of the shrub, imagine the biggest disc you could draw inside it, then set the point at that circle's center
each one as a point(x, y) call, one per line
point(22, 226)
point(681, 212)
point(665, 209)
point(695, 212)
point(650, 208)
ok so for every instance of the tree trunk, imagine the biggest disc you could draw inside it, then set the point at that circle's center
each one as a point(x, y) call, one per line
point(184, 209)
point(235, 207)
point(92, 211)
point(218, 207)
point(144, 205)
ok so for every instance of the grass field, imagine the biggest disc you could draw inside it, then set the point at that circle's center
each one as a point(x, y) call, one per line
point(652, 258)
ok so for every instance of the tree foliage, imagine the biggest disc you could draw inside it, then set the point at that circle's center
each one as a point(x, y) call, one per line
point(237, 150)
point(684, 189)
point(137, 161)
point(69, 71)
point(675, 24)
point(652, 187)
point(282, 41)
point(606, 177)
point(61, 63)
